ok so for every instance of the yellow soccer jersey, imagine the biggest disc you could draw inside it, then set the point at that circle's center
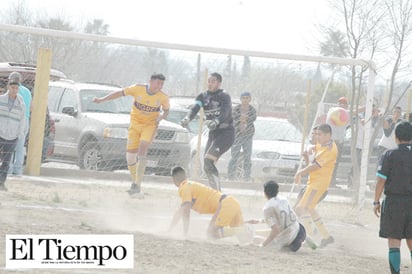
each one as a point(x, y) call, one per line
point(204, 200)
point(146, 106)
point(325, 158)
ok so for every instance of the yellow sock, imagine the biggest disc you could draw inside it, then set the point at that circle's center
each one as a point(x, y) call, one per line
point(306, 221)
point(141, 166)
point(133, 173)
point(321, 228)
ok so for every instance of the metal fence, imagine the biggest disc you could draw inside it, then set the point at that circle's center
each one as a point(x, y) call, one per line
point(92, 137)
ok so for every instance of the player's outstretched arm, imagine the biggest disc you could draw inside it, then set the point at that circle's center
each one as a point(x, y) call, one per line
point(110, 96)
point(378, 192)
point(273, 233)
point(182, 213)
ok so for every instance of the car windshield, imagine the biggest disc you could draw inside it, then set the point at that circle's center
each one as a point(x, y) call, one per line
point(276, 130)
point(120, 105)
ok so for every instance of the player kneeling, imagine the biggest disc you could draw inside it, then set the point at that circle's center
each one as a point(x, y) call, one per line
point(285, 230)
point(227, 217)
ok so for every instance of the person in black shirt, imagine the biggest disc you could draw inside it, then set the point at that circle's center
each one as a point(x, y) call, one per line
point(395, 180)
point(217, 105)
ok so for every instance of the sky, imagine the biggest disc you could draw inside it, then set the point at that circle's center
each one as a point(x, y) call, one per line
point(262, 25)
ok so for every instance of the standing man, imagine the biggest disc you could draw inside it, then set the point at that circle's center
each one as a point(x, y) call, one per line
point(320, 173)
point(217, 105)
point(360, 121)
point(12, 121)
point(244, 115)
point(17, 162)
point(387, 140)
point(227, 217)
point(394, 178)
point(149, 102)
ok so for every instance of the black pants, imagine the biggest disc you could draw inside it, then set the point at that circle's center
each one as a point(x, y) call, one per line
point(220, 141)
point(6, 149)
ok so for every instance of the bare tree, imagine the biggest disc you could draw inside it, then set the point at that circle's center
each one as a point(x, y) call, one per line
point(373, 28)
point(399, 31)
point(14, 45)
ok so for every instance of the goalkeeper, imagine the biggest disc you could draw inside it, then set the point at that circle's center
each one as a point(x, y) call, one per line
point(217, 105)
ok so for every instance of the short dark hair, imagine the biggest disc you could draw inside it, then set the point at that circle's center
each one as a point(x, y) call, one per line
point(217, 76)
point(179, 173)
point(403, 131)
point(271, 189)
point(325, 128)
point(158, 76)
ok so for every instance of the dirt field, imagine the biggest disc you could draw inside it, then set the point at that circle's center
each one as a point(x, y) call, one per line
point(41, 205)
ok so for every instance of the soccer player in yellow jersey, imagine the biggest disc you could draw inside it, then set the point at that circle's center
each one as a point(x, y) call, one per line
point(150, 105)
point(227, 217)
point(320, 172)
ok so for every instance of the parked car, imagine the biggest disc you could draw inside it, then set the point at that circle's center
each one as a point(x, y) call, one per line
point(94, 135)
point(179, 108)
point(276, 151)
point(28, 72)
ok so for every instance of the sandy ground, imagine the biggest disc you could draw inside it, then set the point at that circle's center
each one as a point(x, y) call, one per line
point(41, 205)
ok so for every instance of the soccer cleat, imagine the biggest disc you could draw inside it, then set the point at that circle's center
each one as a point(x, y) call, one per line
point(327, 241)
point(309, 242)
point(135, 192)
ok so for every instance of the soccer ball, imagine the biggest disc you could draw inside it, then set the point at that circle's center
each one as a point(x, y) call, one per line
point(337, 116)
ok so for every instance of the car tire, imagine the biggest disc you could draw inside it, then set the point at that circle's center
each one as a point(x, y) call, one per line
point(91, 157)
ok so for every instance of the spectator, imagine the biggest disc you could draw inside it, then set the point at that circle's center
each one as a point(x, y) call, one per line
point(360, 136)
point(387, 140)
point(244, 115)
point(217, 105)
point(12, 121)
point(17, 161)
